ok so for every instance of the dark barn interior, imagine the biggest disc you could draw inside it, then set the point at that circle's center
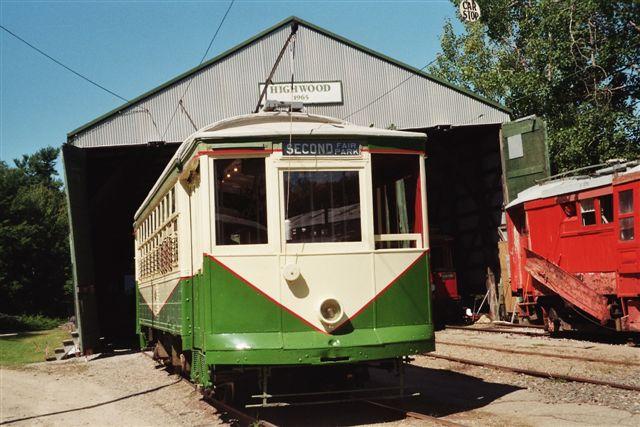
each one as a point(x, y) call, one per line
point(114, 182)
point(465, 197)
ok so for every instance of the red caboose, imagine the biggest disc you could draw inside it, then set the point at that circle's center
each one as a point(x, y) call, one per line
point(574, 249)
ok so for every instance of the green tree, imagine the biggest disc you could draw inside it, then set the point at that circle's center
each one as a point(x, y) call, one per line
point(34, 248)
point(573, 62)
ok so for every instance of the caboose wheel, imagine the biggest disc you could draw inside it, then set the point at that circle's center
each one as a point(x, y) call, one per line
point(552, 322)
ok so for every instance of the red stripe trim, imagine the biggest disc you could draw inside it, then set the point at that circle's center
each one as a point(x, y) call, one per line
point(164, 304)
point(232, 151)
point(386, 288)
point(217, 261)
point(349, 318)
point(393, 151)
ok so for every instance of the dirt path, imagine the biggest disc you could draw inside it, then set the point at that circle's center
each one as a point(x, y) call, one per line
point(122, 390)
point(129, 390)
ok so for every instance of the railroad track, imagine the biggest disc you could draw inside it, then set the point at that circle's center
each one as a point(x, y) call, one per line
point(499, 330)
point(415, 415)
point(207, 395)
point(244, 418)
point(541, 354)
point(535, 373)
point(517, 325)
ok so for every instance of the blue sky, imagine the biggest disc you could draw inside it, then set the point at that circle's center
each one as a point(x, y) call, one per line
point(133, 46)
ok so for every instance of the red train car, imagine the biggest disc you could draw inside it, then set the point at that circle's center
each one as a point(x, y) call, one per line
point(574, 248)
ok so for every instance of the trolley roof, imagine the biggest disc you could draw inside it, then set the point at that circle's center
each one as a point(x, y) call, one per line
point(268, 125)
point(600, 178)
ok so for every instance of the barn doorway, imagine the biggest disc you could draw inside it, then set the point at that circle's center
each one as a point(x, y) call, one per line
point(465, 206)
point(106, 187)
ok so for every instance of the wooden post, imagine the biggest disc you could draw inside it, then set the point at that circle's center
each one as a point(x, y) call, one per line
point(493, 300)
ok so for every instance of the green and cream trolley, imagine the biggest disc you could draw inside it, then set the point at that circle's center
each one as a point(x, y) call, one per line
point(285, 239)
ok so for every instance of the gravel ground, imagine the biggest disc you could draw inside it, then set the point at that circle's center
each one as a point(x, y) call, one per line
point(552, 391)
point(128, 390)
point(121, 390)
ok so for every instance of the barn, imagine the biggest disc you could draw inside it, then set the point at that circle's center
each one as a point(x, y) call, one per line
point(474, 162)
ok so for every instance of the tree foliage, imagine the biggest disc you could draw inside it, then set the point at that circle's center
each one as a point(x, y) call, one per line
point(34, 248)
point(573, 62)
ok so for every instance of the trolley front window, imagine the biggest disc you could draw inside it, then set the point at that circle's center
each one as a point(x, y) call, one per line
point(240, 201)
point(322, 206)
point(397, 205)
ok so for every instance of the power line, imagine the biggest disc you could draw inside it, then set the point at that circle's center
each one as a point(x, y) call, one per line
point(82, 76)
point(173, 115)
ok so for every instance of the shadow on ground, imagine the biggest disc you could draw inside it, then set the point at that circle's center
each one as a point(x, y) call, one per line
point(442, 393)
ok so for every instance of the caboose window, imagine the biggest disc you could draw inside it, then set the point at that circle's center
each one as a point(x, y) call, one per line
point(626, 201)
point(588, 210)
point(240, 201)
point(606, 209)
point(322, 206)
point(626, 228)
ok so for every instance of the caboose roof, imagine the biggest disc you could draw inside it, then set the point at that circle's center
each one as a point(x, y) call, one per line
point(275, 125)
point(572, 184)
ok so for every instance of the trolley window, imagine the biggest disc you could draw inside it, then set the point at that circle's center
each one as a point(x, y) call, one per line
point(396, 200)
point(322, 206)
point(240, 201)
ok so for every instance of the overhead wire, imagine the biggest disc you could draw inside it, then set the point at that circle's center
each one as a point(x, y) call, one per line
point(139, 109)
point(60, 63)
point(413, 74)
point(213, 38)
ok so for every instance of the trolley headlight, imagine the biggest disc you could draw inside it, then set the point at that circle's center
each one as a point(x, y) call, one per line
point(330, 311)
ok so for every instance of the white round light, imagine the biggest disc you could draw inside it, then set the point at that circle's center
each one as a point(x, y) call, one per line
point(291, 272)
point(330, 311)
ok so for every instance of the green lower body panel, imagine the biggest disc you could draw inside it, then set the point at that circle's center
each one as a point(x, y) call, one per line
point(224, 320)
point(317, 356)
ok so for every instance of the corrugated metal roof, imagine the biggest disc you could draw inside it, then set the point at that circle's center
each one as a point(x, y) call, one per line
point(227, 85)
point(571, 185)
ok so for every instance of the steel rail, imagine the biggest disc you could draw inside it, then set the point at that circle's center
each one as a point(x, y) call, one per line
point(533, 353)
point(535, 373)
point(498, 331)
point(242, 417)
point(517, 325)
point(416, 415)
point(207, 396)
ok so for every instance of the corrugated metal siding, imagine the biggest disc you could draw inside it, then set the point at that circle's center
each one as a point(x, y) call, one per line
point(230, 87)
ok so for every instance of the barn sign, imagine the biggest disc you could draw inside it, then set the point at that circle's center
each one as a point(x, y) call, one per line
point(321, 148)
point(305, 92)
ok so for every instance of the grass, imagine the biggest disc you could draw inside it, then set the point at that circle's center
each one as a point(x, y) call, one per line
point(27, 322)
point(29, 347)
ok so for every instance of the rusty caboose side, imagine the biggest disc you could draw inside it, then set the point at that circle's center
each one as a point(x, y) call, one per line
point(574, 249)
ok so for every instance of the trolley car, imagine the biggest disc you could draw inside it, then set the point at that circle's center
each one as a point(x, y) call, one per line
point(285, 239)
point(574, 250)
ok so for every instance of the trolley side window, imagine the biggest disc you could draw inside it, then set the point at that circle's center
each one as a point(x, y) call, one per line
point(322, 206)
point(396, 200)
point(240, 201)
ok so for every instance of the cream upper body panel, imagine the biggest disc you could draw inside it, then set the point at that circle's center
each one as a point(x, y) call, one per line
point(270, 124)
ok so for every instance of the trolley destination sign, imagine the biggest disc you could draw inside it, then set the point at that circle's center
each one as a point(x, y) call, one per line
point(321, 148)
